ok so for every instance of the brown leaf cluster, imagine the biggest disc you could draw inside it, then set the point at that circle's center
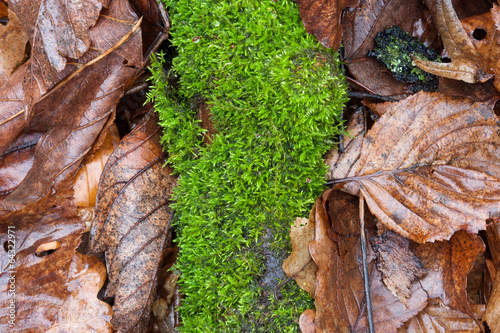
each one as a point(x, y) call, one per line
point(65, 67)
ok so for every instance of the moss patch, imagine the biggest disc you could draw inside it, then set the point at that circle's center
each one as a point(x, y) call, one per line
point(275, 95)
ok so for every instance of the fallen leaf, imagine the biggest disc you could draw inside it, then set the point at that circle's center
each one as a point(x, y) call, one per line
point(57, 31)
point(132, 222)
point(493, 239)
point(492, 315)
point(430, 166)
point(339, 295)
point(17, 161)
point(479, 92)
point(399, 266)
point(87, 177)
point(339, 165)
point(322, 19)
point(13, 44)
point(99, 81)
point(360, 26)
point(299, 265)
point(66, 301)
point(474, 56)
point(448, 264)
point(436, 318)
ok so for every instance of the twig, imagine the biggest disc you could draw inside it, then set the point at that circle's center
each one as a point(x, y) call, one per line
point(366, 278)
point(374, 96)
point(278, 287)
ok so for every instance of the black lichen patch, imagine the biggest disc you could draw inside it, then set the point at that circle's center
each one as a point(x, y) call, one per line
point(394, 48)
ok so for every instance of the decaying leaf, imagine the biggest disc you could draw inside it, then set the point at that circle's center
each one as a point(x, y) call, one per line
point(50, 287)
point(57, 31)
point(492, 315)
point(132, 222)
point(447, 264)
point(322, 18)
point(430, 166)
point(99, 80)
point(471, 43)
point(17, 161)
point(399, 266)
point(299, 265)
point(13, 42)
point(436, 318)
point(339, 294)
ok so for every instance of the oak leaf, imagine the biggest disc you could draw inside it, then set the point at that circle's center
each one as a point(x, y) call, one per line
point(132, 222)
point(430, 166)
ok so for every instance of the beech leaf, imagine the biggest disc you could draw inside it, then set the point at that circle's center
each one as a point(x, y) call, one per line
point(132, 222)
point(430, 166)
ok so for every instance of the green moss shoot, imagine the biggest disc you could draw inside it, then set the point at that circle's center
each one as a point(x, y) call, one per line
point(275, 95)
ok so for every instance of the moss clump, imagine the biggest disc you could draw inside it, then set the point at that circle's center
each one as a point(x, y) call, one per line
point(275, 95)
point(394, 48)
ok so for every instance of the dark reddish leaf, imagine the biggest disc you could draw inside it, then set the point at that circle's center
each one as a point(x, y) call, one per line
point(447, 264)
point(493, 238)
point(99, 83)
point(155, 24)
point(339, 294)
point(492, 315)
point(431, 166)
point(479, 92)
point(322, 19)
point(17, 161)
point(132, 221)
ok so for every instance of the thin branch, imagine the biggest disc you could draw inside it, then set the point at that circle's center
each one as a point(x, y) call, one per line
point(374, 96)
point(371, 327)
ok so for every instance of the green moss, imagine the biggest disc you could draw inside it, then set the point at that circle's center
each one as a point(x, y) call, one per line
point(275, 95)
point(394, 48)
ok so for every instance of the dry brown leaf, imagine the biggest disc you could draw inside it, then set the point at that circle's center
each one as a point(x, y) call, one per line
point(87, 177)
point(132, 222)
point(399, 266)
point(438, 319)
point(322, 19)
point(447, 264)
point(339, 165)
point(430, 166)
point(57, 30)
point(100, 81)
point(474, 58)
point(492, 315)
point(47, 286)
point(13, 42)
point(299, 265)
point(339, 294)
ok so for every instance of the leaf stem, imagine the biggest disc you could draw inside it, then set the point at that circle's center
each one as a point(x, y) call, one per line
point(366, 278)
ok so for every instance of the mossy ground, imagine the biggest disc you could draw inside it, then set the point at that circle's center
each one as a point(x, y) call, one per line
point(275, 95)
